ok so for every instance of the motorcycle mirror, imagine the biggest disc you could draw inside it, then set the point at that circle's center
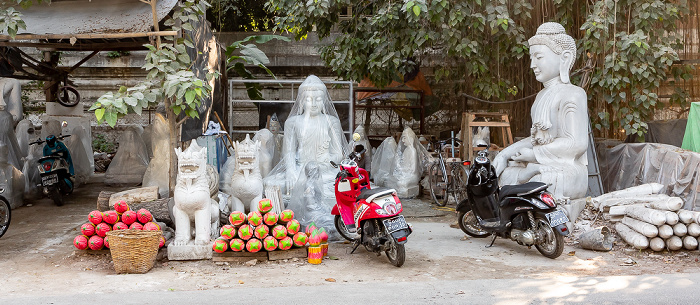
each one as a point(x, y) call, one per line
point(64, 124)
point(334, 164)
point(359, 148)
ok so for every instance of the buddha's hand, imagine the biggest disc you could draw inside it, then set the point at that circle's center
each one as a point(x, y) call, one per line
point(524, 155)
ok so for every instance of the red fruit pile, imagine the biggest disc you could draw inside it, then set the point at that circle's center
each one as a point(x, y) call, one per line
point(93, 233)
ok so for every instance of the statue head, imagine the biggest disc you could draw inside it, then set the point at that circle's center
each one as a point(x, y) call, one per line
point(192, 162)
point(408, 136)
point(275, 125)
point(246, 153)
point(312, 96)
point(552, 52)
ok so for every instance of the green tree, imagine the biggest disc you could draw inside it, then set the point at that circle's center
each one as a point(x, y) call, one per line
point(240, 16)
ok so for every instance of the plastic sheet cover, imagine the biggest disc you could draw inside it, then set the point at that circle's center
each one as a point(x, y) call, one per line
point(50, 127)
point(410, 161)
point(383, 161)
point(31, 172)
point(130, 162)
point(157, 172)
point(366, 161)
point(79, 155)
point(308, 202)
point(7, 136)
point(11, 179)
point(630, 165)
point(268, 146)
point(25, 134)
point(313, 134)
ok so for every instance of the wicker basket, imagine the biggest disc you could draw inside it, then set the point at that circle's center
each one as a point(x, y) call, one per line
point(133, 251)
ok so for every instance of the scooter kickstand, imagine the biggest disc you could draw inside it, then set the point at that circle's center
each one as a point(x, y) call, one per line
point(357, 244)
point(492, 240)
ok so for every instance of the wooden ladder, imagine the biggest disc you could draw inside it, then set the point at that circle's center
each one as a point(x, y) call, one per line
point(496, 121)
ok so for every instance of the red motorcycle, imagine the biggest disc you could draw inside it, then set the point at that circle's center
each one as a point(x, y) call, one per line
point(368, 217)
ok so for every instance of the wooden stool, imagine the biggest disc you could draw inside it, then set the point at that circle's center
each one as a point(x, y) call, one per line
point(484, 119)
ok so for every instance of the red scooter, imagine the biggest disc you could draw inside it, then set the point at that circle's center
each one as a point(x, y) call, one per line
point(368, 217)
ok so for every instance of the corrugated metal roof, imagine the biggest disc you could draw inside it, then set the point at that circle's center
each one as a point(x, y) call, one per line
point(92, 16)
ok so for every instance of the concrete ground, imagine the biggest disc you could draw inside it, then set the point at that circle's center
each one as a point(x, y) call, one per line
point(37, 258)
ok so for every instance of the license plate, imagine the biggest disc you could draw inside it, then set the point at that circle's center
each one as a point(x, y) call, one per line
point(49, 180)
point(395, 224)
point(556, 218)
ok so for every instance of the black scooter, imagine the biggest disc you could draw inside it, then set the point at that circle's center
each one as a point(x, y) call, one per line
point(525, 213)
point(54, 171)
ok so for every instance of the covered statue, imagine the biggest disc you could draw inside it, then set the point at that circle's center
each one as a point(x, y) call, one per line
point(410, 160)
point(131, 160)
point(383, 161)
point(555, 151)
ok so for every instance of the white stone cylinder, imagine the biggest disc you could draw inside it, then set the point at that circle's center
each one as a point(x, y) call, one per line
point(651, 216)
point(674, 243)
point(671, 218)
point(694, 229)
point(633, 238)
point(690, 243)
point(686, 216)
point(640, 190)
point(657, 244)
point(646, 229)
point(666, 204)
point(665, 231)
point(680, 230)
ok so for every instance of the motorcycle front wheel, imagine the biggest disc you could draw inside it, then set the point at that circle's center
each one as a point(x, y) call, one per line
point(5, 213)
point(470, 225)
point(552, 244)
point(342, 229)
point(396, 253)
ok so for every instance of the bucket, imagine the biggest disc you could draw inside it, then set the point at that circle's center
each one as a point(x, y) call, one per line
point(598, 239)
point(315, 255)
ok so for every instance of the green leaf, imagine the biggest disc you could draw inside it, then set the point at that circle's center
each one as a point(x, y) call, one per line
point(416, 10)
point(189, 96)
point(99, 113)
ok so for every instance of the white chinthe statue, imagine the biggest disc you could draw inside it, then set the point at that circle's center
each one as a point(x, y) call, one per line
point(555, 151)
point(196, 181)
point(242, 179)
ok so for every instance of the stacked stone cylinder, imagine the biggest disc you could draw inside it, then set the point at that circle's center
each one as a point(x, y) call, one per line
point(660, 225)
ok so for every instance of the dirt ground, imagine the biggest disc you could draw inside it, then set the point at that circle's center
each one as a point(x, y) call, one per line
point(37, 256)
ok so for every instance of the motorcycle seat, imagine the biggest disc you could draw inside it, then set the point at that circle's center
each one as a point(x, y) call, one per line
point(369, 194)
point(521, 189)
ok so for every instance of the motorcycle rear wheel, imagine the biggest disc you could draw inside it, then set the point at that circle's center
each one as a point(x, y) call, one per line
point(56, 196)
point(469, 224)
point(553, 244)
point(396, 253)
point(5, 216)
point(342, 230)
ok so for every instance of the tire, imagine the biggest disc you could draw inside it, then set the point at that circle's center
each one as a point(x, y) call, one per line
point(340, 227)
point(469, 225)
point(396, 254)
point(5, 216)
point(55, 195)
point(459, 176)
point(68, 96)
point(438, 185)
point(553, 244)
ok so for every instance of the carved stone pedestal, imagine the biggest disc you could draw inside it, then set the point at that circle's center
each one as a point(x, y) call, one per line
point(189, 252)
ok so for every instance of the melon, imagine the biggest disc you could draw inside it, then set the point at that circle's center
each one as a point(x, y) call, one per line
point(102, 228)
point(254, 218)
point(136, 226)
point(110, 217)
point(95, 217)
point(300, 239)
point(264, 205)
point(262, 231)
point(105, 241)
point(315, 238)
point(324, 235)
point(237, 218)
point(270, 218)
point(220, 245)
point(245, 232)
point(161, 242)
point(151, 226)
point(81, 242)
point(279, 231)
point(120, 206)
point(88, 229)
point(128, 217)
point(253, 245)
point(144, 216)
point(293, 227)
point(227, 232)
point(120, 226)
point(310, 228)
point(270, 243)
point(95, 242)
point(237, 244)
point(285, 243)
point(286, 216)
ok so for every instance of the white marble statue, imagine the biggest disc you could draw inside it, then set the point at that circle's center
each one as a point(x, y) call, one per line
point(11, 97)
point(312, 133)
point(383, 161)
point(193, 198)
point(408, 167)
point(12, 181)
point(482, 137)
point(24, 131)
point(275, 128)
point(157, 171)
point(131, 160)
point(241, 178)
point(267, 150)
point(555, 151)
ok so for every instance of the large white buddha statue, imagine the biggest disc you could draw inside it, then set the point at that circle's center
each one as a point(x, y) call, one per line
point(555, 151)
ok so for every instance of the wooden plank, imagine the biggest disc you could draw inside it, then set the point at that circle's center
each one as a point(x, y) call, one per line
point(490, 124)
point(239, 257)
point(287, 254)
point(89, 36)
